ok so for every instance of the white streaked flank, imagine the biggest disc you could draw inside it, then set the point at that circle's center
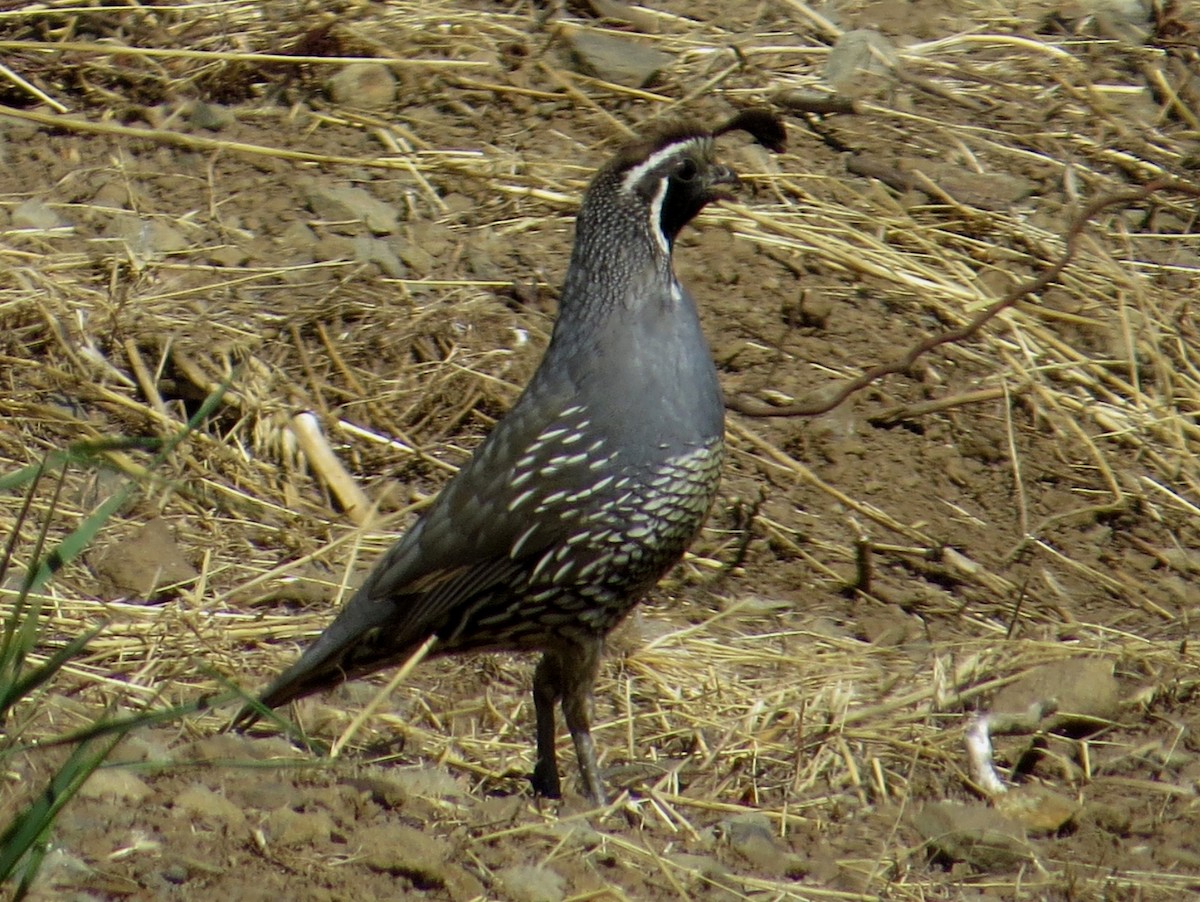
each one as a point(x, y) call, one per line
point(520, 499)
point(515, 552)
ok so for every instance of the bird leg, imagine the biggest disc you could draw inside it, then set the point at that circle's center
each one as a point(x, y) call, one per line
point(578, 677)
point(547, 682)
point(567, 675)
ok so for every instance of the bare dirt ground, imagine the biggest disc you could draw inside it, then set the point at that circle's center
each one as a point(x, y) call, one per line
point(1014, 520)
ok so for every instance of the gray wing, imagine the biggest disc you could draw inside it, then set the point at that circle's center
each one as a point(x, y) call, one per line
point(489, 524)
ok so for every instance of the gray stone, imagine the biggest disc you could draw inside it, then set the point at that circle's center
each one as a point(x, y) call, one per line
point(368, 86)
point(341, 203)
point(614, 59)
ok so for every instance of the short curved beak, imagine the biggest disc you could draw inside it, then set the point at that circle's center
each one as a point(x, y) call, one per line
point(720, 181)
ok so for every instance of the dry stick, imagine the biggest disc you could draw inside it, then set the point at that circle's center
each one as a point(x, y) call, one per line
point(145, 381)
point(922, 408)
point(325, 462)
point(825, 402)
point(231, 56)
point(194, 142)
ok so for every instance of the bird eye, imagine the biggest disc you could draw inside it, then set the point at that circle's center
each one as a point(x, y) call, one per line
point(687, 170)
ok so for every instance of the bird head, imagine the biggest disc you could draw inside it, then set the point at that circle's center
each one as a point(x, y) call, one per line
point(662, 182)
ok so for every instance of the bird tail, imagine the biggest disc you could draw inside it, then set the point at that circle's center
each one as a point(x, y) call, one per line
point(354, 644)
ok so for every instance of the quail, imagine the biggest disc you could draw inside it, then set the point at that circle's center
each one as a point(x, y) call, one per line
point(590, 488)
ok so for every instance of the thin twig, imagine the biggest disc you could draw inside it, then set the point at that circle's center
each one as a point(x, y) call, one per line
point(825, 401)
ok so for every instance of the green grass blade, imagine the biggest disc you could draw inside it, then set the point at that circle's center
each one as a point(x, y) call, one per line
point(84, 452)
point(19, 688)
point(23, 842)
point(23, 833)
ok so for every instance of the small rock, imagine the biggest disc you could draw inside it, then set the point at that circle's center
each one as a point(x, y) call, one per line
point(164, 239)
point(112, 193)
point(888, 626)
point(298, 236)
point(429, 782)
point(333, 247)
point(201, 802)
point(379, 252)
point(414, 256)
point(116, 784)
point(1114, 819)
point(148, 745)
point(397, 849)
point(286, 827)
point(620, 11)
point(436, 239)
point(976, 834)
point(479, 256)
point(343, 203)
point(1127, 21)
point(34, 214)
point(368, 86)
point(228, 255)
point(1085, 690)
point(140, 565)
point(857, 57)
point(986, 190)
point(1184, 560)
point(457, 203)
point(523, 883)
point(702, 866)
point(1038, 809)
point(235, 746)
point(146, 237)
point(210, 116)
point(812, 309)
point(614, 59)
point(751, 837)
point(261, 795)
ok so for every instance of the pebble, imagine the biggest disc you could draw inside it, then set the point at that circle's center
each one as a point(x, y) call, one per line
point(210, 116)
point(115, 784)
point(286, 827)
point(368, 86)
point(858, 57)
point(344, 203)
point(399, 849)
point(198, 801)
point(976, 834)
point(141, 564)
point(1084, 688)
point(614, 59)
point(35, 214)
point(526, 883)
point(1039, 809)
point(379, 252)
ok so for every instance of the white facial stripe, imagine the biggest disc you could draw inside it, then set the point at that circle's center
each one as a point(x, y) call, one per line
point(638, 172)
point(656, 204)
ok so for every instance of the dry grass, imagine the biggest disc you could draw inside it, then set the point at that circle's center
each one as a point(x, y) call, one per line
point(749, 712)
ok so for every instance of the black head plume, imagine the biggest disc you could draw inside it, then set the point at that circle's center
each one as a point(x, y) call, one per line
point(761, 124)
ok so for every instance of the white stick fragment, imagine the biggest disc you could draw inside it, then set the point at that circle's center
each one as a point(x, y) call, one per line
point(979, 754)
point(979, 734)
point(327, 466)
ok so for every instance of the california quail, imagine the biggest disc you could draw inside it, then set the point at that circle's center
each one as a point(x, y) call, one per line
point(590, 488)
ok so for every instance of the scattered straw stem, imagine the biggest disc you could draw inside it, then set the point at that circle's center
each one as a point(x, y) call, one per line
point(230, 56)
point(326, 464)
point(827, 399)
point(195, 142)
point(397, 678)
